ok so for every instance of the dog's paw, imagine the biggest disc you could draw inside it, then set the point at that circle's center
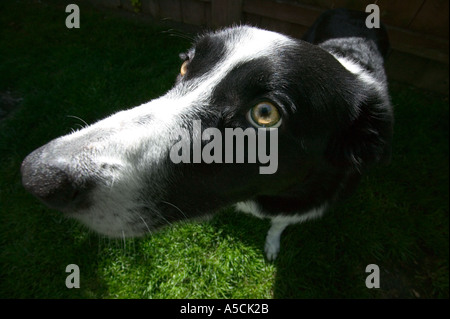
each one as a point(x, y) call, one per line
point(272, 247)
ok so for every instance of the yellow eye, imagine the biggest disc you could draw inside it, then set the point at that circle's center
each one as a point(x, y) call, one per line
point(184, 66)
point(264, 114)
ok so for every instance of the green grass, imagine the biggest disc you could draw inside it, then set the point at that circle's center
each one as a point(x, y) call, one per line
point(397, 219)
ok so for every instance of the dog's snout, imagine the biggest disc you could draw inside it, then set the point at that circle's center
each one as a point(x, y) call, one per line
point(50, 182)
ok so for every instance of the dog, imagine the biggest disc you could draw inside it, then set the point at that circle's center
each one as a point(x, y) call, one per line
point(326, 96)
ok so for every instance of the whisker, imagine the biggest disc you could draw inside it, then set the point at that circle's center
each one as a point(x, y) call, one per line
point(145, 223)
point(184, 215)
point(124, 241)
point(179, 34)
point(162, 216)
point(78, 118)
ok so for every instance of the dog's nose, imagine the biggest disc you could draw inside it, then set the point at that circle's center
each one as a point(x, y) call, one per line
point(48, 180)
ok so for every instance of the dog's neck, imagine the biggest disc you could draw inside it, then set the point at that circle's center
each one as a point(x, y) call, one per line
point(309, 193)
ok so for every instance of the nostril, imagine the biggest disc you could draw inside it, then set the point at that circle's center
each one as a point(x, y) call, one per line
point(48, 181)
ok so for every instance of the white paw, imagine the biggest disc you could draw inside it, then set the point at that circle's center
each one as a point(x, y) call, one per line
point(272, 247)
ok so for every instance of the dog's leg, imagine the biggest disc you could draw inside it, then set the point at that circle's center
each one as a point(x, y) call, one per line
point(272, 246)
point(280, 223)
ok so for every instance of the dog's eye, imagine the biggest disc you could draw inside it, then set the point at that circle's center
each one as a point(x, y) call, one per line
point(183, 68)
point(264, 114)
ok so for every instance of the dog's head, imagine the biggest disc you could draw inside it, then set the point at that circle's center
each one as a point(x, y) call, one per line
point(148, 166)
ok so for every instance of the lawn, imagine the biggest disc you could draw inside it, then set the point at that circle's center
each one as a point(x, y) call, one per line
point(50, 76)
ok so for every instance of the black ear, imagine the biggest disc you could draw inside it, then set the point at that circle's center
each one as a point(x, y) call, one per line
point(367, 137)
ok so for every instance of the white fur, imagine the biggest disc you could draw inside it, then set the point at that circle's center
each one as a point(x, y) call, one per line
point(356, 69)
point(250, 207)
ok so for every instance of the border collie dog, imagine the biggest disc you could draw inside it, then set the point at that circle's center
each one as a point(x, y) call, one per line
point(326, 97)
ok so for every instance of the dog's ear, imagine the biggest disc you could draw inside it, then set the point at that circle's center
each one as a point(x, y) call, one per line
point(367, 137)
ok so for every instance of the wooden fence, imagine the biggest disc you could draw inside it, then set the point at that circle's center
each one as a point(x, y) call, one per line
point(418, 29)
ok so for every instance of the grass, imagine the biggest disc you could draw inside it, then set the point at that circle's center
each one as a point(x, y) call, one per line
point(397, 219)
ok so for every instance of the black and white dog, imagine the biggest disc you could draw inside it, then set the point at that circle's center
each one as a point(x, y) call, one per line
point(327, 98)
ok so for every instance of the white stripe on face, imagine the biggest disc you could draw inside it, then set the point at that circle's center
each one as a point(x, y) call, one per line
point(244, 44)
